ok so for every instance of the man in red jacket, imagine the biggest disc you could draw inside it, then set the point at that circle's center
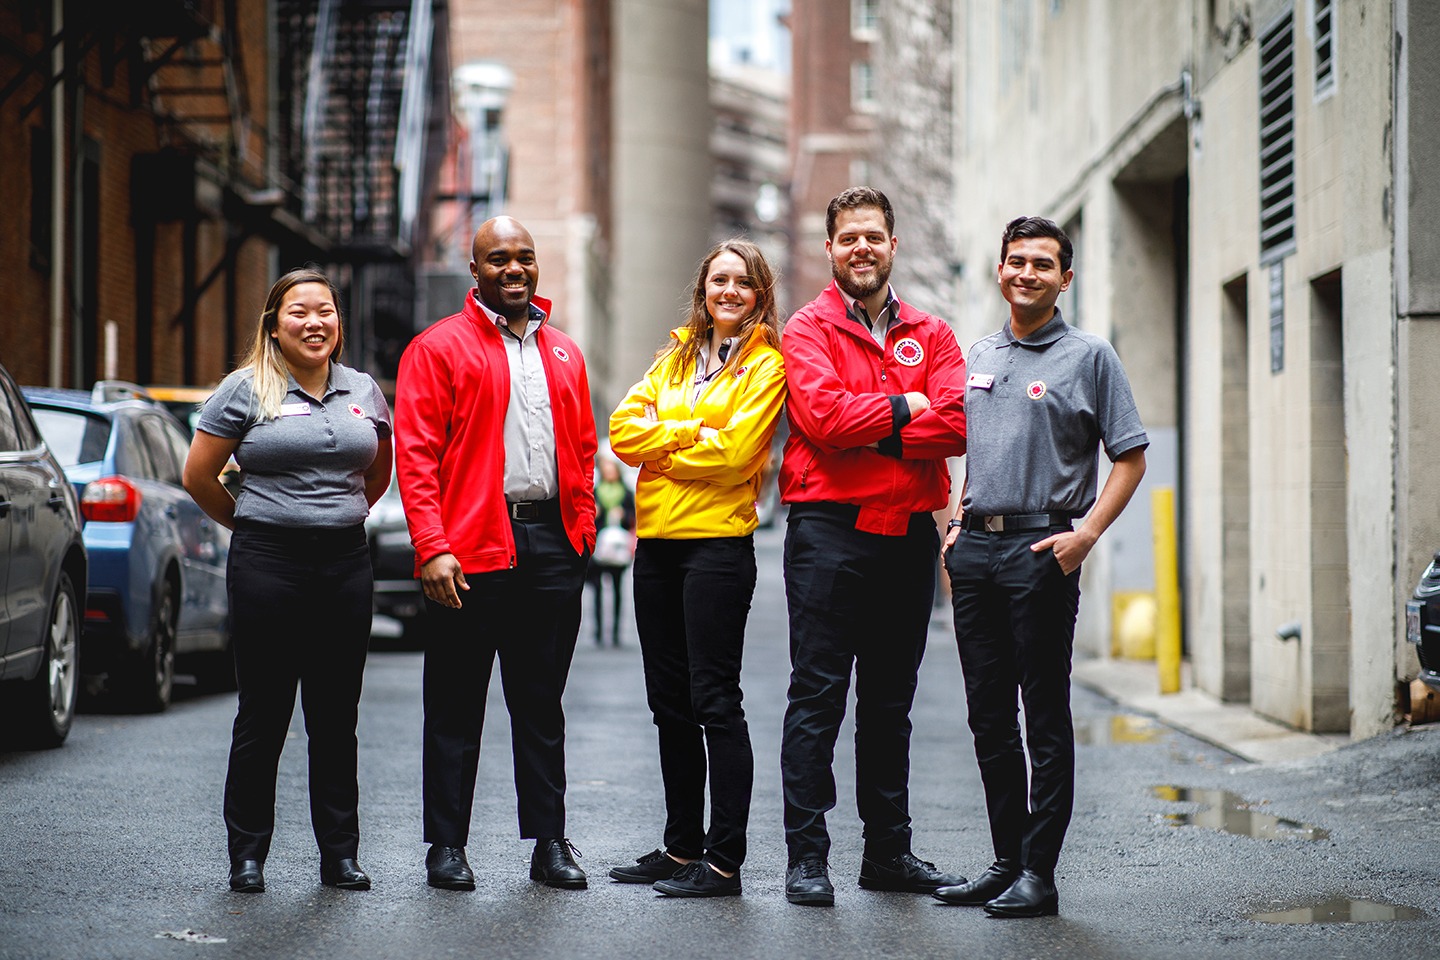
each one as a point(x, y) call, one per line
point(876, 404)
point(495, 462)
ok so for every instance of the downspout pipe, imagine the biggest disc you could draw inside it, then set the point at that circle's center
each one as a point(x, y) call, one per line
point(57, 194)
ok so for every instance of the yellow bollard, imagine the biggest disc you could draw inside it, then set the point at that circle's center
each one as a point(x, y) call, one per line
point(1167, 589)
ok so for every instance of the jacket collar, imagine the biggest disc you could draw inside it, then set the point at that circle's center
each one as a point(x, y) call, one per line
point(477, 314)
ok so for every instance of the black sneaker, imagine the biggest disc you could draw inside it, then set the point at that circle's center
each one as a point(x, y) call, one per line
point(698, 880)
point(655, 865)
point(906, 873)
point(807, 882)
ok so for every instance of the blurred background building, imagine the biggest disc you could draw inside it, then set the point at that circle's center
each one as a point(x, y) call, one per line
point(169, 159)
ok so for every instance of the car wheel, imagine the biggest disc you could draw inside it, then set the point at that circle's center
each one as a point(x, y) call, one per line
point(153, 678)
point(49, 701)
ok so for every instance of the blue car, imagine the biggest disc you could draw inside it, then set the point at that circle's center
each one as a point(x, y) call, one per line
point(157, 562)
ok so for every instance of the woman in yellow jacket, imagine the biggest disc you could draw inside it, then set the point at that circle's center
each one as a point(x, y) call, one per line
point(699, 427)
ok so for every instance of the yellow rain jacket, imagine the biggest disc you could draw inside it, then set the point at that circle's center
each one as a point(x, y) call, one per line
point(690, 488)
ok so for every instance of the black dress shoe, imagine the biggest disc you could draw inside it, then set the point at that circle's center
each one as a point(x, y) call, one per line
point(905, 873)
point(447, 868)
point(344, 873)
point(807, 883)
point(984, 888)
point(247, 876)
point(553, 864)
point(1031, 895)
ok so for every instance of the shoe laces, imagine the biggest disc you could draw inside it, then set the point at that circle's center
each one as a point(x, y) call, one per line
point(811, 867)
point(652, 857)
point(693, 871)
point(574, 850)
point(913, 860)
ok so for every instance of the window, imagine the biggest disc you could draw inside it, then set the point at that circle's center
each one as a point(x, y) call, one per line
point(1323, 30)
point(862, 86)
point(865, 19)
point(1277, 139)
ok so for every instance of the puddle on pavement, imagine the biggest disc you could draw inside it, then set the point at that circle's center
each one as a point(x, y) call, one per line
point(1232, 813)
point(1118, 728)
point(1340, 910)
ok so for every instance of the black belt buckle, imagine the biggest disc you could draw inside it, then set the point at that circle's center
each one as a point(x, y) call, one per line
point(524, 510)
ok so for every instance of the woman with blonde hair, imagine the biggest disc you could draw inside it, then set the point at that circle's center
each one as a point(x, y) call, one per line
point(312, 437)
point(699, 426)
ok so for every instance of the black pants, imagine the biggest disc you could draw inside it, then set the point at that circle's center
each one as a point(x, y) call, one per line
point(862, 600)
point(529, 616)
point(597, 576)
point(1015, 626)
point(692, 598)
point(299, 614)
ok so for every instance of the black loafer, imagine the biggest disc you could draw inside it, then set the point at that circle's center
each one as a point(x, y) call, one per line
point(905, 873)
point(344, 873)
point(553, 864)
point(447, 868)
point(984, 888)
point(807, 883)
point(247, 876)
point(1031, 895)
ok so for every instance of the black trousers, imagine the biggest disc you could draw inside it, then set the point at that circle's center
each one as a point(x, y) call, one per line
point(596, 577)
point(1015, 627)
point(692, 598)
point(856, 600)
point(299, 615)
point(529, 616)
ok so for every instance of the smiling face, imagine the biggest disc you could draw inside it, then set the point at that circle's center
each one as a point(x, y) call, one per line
point(861, 251)
point(1031, 278)
point(307, 326)
point(730, 294)
point(504, 267)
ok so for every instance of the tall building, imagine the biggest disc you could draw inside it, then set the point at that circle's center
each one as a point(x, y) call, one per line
point(1244, 183)
point(833, 107)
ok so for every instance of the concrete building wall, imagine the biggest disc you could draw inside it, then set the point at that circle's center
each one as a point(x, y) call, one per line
point(662, 174)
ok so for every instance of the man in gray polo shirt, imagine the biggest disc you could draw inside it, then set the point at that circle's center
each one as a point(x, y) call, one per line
point(1040, 398)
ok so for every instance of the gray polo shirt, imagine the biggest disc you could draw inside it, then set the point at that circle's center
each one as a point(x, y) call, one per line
point(305, 468)
point(1036, 411)
point(530, 466)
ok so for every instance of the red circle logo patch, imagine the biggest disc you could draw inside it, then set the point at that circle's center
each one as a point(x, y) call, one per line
point(909, 352)
point(561, 354)
point(356, 411)
point(1036, 390)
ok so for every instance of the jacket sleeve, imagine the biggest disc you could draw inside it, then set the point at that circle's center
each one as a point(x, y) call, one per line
point(424, 404)
point(822, 407)
point(589, 444)
point(636, 439)
point(740, 448)
point(939, 430)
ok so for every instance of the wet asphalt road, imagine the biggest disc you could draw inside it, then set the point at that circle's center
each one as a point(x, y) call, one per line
point(116, 839)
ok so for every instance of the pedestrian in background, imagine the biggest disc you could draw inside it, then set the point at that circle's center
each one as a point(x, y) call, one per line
point(496, 459)
point(1041, 398)
point(699, 426)
point(876, 405)
point(614, 545)
point(312, 438)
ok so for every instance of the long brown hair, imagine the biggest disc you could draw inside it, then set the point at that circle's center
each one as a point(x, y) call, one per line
point(270, 372)
point(763, 325)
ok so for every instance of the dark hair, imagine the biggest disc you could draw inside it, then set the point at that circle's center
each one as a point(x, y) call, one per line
point(853, 199)
point(763, 324)
point(1024, 228)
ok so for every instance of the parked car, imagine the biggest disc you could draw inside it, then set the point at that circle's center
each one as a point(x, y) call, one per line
point(42, 581)
point(397, 592)
point(1422, 623)
point(157, 562)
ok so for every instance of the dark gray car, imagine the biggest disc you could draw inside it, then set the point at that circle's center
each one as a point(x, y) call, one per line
point(42, 582)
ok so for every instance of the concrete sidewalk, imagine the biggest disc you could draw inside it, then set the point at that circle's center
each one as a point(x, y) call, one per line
point(1135, 684)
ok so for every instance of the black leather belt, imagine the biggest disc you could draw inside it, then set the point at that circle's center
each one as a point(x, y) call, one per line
point(1015, 522)
point(848, 513)
point(534, 509)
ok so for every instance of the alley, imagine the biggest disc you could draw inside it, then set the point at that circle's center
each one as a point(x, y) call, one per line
point(115, 840)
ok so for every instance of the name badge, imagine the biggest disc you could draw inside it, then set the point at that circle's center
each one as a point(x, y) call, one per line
point(300, 408)
point(981, 381)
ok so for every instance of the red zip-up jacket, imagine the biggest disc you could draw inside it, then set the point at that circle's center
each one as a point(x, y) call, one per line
point(450, 399)
point(845, 393)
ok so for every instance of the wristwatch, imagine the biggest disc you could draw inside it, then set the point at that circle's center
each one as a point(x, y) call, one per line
point(954, 522)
